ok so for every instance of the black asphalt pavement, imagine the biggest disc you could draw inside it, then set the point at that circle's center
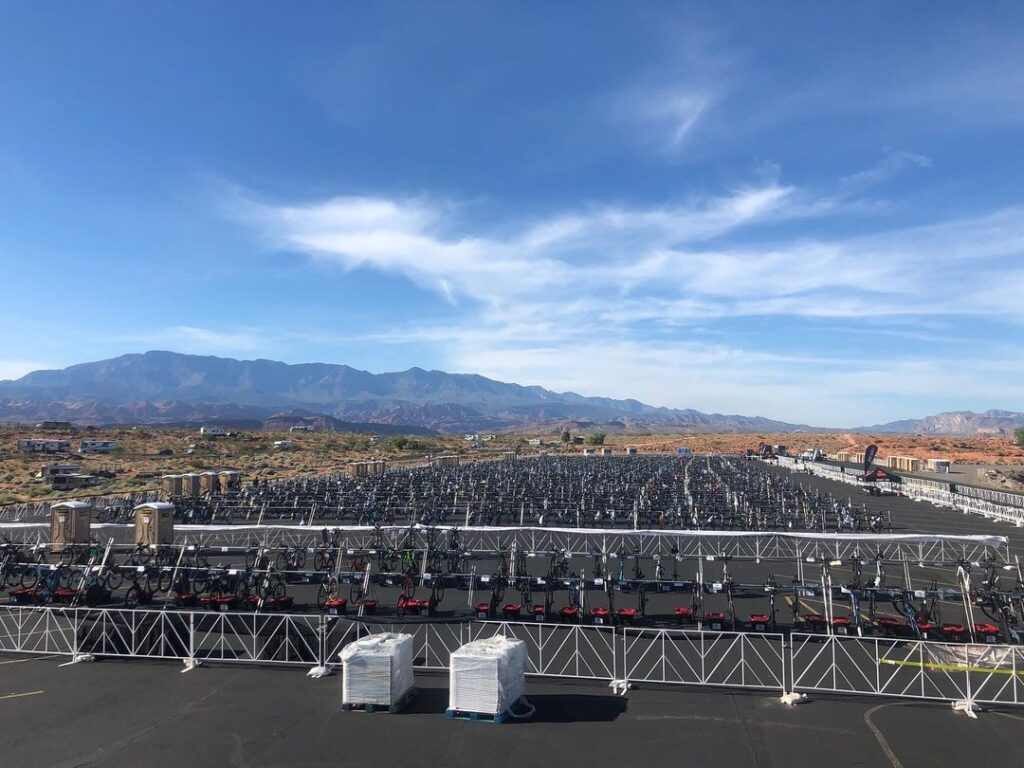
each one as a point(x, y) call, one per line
point(114, 713)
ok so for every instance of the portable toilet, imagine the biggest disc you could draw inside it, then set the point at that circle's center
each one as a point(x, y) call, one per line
point(230, 481)
point(209, 482)
point(70, 523)
point(171, 485)
point(154, 523)
point(190, 484)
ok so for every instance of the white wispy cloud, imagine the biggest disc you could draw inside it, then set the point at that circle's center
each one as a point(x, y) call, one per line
point(671, 262)
point(669, 116)
point(533, 295)
point(893, 162)
point(428, 242)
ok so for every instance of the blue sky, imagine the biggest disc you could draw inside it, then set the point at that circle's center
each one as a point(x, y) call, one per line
point(811, 212)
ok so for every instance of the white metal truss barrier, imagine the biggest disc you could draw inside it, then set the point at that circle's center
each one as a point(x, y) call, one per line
point(987, 674)
point(689, 657)
point(560, 650)
point(38, 510)
point(835, 664)
point(742, 545)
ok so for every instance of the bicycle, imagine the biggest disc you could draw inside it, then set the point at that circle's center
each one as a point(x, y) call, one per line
point(292, 559)
point(142, 589)
point(558, 567)
point(329, 589)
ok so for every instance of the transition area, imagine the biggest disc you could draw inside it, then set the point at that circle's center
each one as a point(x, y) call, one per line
point(692, 577)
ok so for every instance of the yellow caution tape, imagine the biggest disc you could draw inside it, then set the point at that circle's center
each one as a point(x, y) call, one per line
point(950, 667)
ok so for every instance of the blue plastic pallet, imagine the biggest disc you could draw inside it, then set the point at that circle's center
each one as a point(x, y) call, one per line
point(501, 717)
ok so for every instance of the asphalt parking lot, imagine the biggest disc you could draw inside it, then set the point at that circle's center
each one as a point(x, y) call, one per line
point(114, 713)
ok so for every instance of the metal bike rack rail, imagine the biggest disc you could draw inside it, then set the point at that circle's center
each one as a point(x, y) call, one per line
point(939, 549)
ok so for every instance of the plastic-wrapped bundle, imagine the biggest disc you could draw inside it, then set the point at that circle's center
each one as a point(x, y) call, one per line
point(378, 669)
point(487, 676)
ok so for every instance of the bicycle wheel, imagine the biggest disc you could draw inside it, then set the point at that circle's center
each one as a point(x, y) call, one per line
point(250, 558)
point(114, 578)
point(281, 561)
point(200, 582)
point(164, 581)
point(300, 560)
point(133, 598)
point(355, 593)
point(320, 560)
point(30, 576)
point(75, 580)
point(323, 594)
point(409, 589)
point(276, 591)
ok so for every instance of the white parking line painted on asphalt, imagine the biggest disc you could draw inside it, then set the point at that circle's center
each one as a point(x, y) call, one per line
point(20, 695)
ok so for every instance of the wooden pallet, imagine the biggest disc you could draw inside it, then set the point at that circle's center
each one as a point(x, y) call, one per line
point(397, 706)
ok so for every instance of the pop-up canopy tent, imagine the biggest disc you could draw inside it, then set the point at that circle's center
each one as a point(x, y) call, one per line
point(879, 475)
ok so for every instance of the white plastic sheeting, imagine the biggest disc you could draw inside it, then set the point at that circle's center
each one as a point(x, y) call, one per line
point(377, 669)
point(487, 676)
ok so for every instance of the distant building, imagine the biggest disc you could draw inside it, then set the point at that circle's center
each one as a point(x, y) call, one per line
point(97, 446)
point(212, 431)
point(684, 451)
point(55, 426)
point(302, 428)
point(68, 482)
point(282, 445)
point(577, 440)
point(44, 446)
point(535, 441)
point(472, 438)
point(50, 470)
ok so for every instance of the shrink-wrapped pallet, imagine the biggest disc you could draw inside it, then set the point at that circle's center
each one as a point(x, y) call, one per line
point(377, 669)
point(487, 676)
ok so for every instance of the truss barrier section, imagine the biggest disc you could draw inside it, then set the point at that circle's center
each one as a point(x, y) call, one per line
point(938, 549)
point(833, 664)
point(987, 674)
point(720, 659)
point(560, 650)
point(39, 510)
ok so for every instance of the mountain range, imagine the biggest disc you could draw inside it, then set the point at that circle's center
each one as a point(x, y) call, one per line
point(957, 423)
point(173, 388)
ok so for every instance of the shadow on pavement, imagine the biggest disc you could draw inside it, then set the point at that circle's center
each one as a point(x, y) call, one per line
point(575, 708)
